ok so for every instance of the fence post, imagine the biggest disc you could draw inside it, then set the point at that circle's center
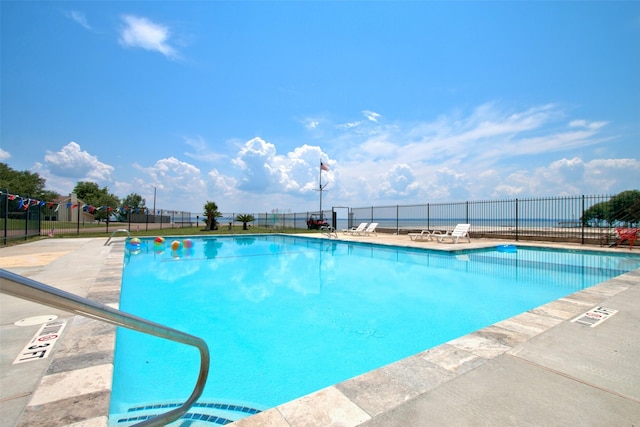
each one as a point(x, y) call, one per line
point(26, 222)
point(582, 220)
point(78, 225)
point(5, 196)
point(467, 212)
point(516, 219)
point(428, 218)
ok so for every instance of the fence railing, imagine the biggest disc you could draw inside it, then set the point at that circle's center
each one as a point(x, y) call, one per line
point(549, 218)
point(567, 218)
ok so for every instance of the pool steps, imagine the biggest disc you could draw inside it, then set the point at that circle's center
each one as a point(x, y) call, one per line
point(200, 414)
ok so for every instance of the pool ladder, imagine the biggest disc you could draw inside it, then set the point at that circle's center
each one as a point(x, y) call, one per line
point(121, 230)
point(28, 289)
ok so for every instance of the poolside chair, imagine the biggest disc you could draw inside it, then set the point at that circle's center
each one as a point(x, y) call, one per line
point(356, 230)
point(423, 235)
point(630, 234)
point(329, 231)
point(461, 230)
point(371, 229)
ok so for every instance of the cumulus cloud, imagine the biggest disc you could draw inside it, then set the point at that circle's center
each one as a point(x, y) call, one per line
point(4, 155)
point(175, 174)
point(566, 176)
point(177, 183)
point(398, 181)
point(263, 170)
point(139, 32)
point(63, 169)
point(488, 153)
point(225, 185)
point(72, 162)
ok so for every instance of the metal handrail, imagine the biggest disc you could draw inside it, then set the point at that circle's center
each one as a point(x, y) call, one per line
point(120, 230)
point(25, 288)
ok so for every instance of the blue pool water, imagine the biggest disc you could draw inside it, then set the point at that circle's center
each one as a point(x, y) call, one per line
point(285, 316)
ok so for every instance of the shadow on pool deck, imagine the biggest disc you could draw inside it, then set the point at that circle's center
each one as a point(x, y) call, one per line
point(537, 368)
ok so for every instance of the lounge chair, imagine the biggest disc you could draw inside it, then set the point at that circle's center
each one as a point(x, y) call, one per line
point(371, 229)
point(461, 230)
point(423, 235)
point(329, 231)
point(356, 230)
point(630, 234)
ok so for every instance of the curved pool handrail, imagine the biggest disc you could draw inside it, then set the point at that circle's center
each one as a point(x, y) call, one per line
point(120, 230)
point(25, 288)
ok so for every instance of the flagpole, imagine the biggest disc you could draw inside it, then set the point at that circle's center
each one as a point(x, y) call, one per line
point(321, 189)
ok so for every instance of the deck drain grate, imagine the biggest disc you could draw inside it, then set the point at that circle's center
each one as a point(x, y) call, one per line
point(595, 316)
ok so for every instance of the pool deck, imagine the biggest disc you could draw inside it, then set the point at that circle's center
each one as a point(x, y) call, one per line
point(537, 368)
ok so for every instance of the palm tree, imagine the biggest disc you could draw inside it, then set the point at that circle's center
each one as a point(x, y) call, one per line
point(244, 219)
point(212, 214)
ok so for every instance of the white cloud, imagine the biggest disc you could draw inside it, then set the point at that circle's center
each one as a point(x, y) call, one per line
point(222, 184)
point(4, 155)
point(72, 162)
point(63, 169)
point(486, 154)
point(589, 125)
point(179, 185)
point(398, 181)
point(265, 171)
point(349, 125)
point(142, 33)
point(371, 115)
point(312, 124)
point(80, 18)
point(201, 150)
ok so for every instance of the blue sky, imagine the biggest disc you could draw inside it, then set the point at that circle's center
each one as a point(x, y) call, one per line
point(406, 102)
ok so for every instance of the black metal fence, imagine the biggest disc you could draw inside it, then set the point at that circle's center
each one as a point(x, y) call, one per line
point(22, 217)
point(549, 219)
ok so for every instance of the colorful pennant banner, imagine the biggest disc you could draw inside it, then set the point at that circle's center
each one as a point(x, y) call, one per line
point(25, 202)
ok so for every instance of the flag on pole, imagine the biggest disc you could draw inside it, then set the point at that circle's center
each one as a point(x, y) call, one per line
point(324, 167)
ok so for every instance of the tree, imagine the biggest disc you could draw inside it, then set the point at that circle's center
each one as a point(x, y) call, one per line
point(211, 215)
point(132, 201)
point(625, 207)
point(25, 183)
point(93, 195)
point(598, 213)
point(244, 219)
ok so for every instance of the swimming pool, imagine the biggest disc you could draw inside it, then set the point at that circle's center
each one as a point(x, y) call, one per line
point(285, 316)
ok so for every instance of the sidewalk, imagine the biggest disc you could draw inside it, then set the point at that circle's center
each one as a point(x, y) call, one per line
point(537, 368)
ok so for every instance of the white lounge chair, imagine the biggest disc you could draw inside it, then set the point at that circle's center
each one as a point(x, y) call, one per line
point(356, 230)
point(329, 231)
point(461, 231)
point(423, 235)
point(371, 229)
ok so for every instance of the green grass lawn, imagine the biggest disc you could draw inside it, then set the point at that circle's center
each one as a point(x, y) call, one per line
point(70, 230)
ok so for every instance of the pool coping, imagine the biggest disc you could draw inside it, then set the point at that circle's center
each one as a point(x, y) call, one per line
point(86, 352)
